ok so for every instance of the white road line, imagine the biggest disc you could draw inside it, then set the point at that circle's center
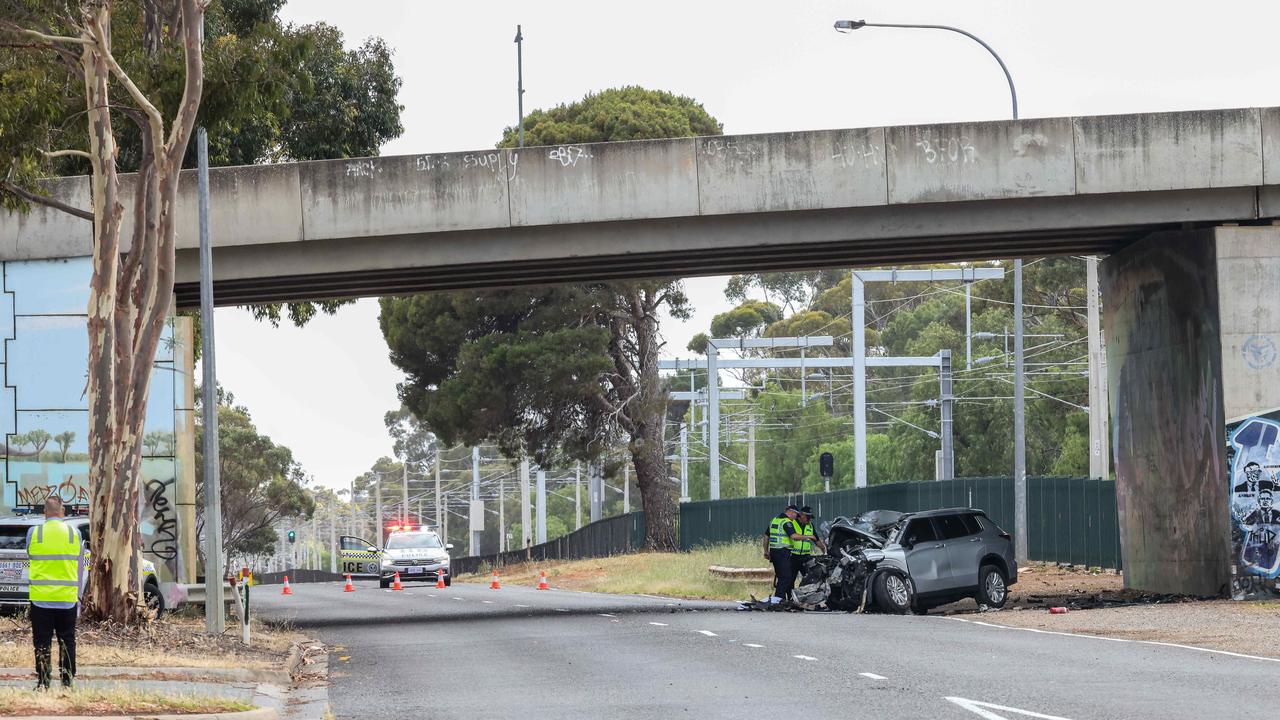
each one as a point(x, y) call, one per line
point(1113, 639)
point(751, 645)
point(431, 594)
point(561, 610)
point(708, 633)
point(803, 657)
point(487, 602)
point(658, 624)
point(519, 605)
point(983, 710)
point(607, 615)
point(873, 676)
point(457, 598)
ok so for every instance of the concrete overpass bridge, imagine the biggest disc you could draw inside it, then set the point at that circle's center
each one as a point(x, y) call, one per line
point(856, 197)
point(1192, 306)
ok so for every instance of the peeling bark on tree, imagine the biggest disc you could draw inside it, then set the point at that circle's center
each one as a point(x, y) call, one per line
point(129, 299)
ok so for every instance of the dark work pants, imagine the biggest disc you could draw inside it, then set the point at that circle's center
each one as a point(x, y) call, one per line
point(784, 576)
point(45, 623)
point(797, 567)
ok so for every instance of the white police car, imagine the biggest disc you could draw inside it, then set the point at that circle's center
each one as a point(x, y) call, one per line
point(13, 560)
point(417, 554)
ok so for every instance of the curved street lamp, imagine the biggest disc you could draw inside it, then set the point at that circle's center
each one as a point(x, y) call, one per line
point(846, 26)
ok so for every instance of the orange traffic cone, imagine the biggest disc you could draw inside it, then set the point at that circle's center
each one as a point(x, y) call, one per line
point(349, 587)
point(396, 584)
point(440, 579)
point(495, 585)
point(542, 581)
point(286, 590)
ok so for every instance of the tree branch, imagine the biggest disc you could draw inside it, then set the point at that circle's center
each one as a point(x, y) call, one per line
point(47, 202)
point(50, 39)
point(66, 153)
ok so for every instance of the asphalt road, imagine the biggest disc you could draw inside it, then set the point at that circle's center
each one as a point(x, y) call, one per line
point(468, 651)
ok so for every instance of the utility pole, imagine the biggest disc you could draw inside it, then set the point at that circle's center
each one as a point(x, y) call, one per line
point(595, 489)
point(520, 81)
point(502, 515)
point(351, 519)
point(542, 506)
point(443, 503)
point(333, 533)
point(751, 455)
point(713, 418)
point(626, 487)
point(440, 512)
point(1019, 424)
point(577, 495)
point(377, 503)
point(947, 403)
point(684, 462)
point(1099, 406)
point(214, 621)
point(405, 520)
point(859, 382)
point(526, 532)
point(477, 507)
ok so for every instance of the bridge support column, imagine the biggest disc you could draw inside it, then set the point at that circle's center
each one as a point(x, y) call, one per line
point(1180, 309)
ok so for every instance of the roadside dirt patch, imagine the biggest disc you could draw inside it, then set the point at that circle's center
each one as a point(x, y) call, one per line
point(1236, 626)
point(171, 641)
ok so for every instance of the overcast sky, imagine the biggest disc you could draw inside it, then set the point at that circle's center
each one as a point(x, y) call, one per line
point(758, 67)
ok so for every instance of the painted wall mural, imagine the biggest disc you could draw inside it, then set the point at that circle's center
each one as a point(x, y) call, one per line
point(1253, 450)
point(44, 419)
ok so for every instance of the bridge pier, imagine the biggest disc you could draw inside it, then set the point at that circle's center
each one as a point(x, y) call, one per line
point(1192, 321)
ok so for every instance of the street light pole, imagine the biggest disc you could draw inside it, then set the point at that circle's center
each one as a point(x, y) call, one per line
point(520, 81)
point(851, 25)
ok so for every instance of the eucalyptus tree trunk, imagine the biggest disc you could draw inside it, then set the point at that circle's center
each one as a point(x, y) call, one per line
point(130, 296)
point(644, 420)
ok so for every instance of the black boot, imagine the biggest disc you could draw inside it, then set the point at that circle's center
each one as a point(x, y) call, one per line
point(66, 664)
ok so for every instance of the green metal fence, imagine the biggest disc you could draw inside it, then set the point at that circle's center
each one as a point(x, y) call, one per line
point(1070, 520)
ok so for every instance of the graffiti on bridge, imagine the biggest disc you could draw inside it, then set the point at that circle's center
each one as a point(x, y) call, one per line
point(1254, 462)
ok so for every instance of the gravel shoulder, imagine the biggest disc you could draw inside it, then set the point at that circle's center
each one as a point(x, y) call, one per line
point(1098, 604)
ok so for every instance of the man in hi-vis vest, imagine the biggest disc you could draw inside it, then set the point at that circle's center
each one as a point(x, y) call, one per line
point(55, 578)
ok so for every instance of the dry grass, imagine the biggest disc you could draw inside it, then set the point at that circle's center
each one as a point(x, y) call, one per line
point(19, 702)
point(680, 575)
point(173, 641)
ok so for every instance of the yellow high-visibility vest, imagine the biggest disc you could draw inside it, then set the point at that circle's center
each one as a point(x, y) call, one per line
point(54, 572)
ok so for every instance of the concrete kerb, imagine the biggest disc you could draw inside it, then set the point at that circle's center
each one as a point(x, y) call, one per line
point(228, 675)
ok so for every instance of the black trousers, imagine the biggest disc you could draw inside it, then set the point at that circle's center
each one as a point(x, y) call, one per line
point(45, 624)
point(784, 574)
point(797, 567)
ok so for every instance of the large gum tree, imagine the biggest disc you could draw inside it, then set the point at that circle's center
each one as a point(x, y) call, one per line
point(54, 50)
point(561, 372)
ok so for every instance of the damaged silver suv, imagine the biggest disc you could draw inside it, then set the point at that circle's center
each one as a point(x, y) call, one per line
point(901, 562)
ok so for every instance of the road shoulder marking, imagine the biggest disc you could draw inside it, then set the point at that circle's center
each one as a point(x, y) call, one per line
point(803, 657)
point(1112, 639)
point(873, 676)
point(708, 633)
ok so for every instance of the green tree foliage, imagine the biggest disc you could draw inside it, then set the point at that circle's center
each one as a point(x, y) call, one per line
point(412, 440)
point(627, 113)
point(919, 319)
point(558, 372)
point(749, 319)
point(261, 484)
point(272, 91)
